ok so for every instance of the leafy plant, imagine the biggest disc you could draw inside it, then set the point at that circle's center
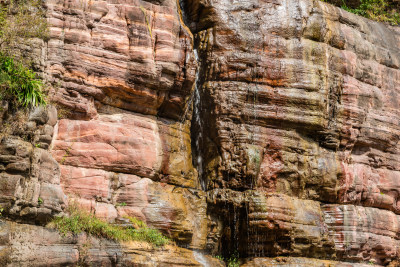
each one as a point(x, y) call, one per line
point(219, 257)
point(19, 84)
point(82, 221)
point(378, 10)
point(232, 261)
point(40, 201)
point(123, 204)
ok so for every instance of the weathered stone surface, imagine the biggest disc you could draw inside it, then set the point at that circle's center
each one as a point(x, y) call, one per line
point(178, 212)
point(115, 65)
point(295, 127)
point(29, 176)
point(29, 245)
point(134, 55)
point(266, 224)
point(113, 143)
point(301, 262)
point(363, 234)
point(128, 143)
point(298, 98)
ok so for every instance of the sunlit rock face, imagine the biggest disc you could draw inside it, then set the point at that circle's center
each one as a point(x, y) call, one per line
point(300, 99)
point(47, 247)
point(293, 128)
point(124, 71)
point(135, 55)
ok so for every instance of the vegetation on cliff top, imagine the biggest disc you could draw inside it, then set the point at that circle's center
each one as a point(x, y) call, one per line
point(379, 10)
point(80, 221)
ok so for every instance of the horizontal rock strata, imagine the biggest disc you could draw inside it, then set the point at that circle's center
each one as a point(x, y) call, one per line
point(48, 248)
point(299, 115)
point(123, 74)
point(29, 175)
point(134, 55)
point(279, 146)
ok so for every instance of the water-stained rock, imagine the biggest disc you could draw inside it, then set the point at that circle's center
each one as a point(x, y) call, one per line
point(298, 98)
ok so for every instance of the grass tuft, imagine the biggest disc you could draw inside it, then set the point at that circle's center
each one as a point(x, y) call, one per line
point(80, 221)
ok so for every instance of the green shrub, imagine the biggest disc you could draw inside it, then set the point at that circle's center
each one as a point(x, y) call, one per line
point(19, 84)
point(21, 20)
point(82, 221)
point(232, 261)
point(378, 10)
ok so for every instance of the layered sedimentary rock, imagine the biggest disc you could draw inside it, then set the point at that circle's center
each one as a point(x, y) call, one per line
point(134, 55)
point(30, 177)
point(293, 261)
point(123, 73)
point(293, 123)
point(48, 248)
point(298, 108)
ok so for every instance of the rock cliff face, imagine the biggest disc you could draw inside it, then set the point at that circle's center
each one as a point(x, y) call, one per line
point(300, 114)
point(125, 71)
point(267, 129)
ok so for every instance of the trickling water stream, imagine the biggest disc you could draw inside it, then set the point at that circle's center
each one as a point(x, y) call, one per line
point(201, 258)
point(197, 125)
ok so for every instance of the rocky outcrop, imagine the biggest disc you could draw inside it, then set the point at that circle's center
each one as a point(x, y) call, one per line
point(298, 103)
point(280, 145)
point(132, 55)
point(30, 177)
point(83, 250)
point(123, 73)
point(292, 261)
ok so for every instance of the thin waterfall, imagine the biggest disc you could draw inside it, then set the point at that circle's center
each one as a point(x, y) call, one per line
point(197, 121)
point(197, 125)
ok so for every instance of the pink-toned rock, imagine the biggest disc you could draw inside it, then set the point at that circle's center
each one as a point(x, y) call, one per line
point(297, 98)
point(129, 144)
point(363, 234)
point(117, 143)
point(137, 56)
point(180, 213)
point(31, 245)
point(272, 225)
point(302, 262)
point(86, 183)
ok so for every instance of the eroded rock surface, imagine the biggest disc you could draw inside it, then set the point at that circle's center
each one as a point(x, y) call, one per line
point(48, 248)
point(29, 175)
point(135, 55)
point(293, 123)
point(298, 98)
point(123, 74)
